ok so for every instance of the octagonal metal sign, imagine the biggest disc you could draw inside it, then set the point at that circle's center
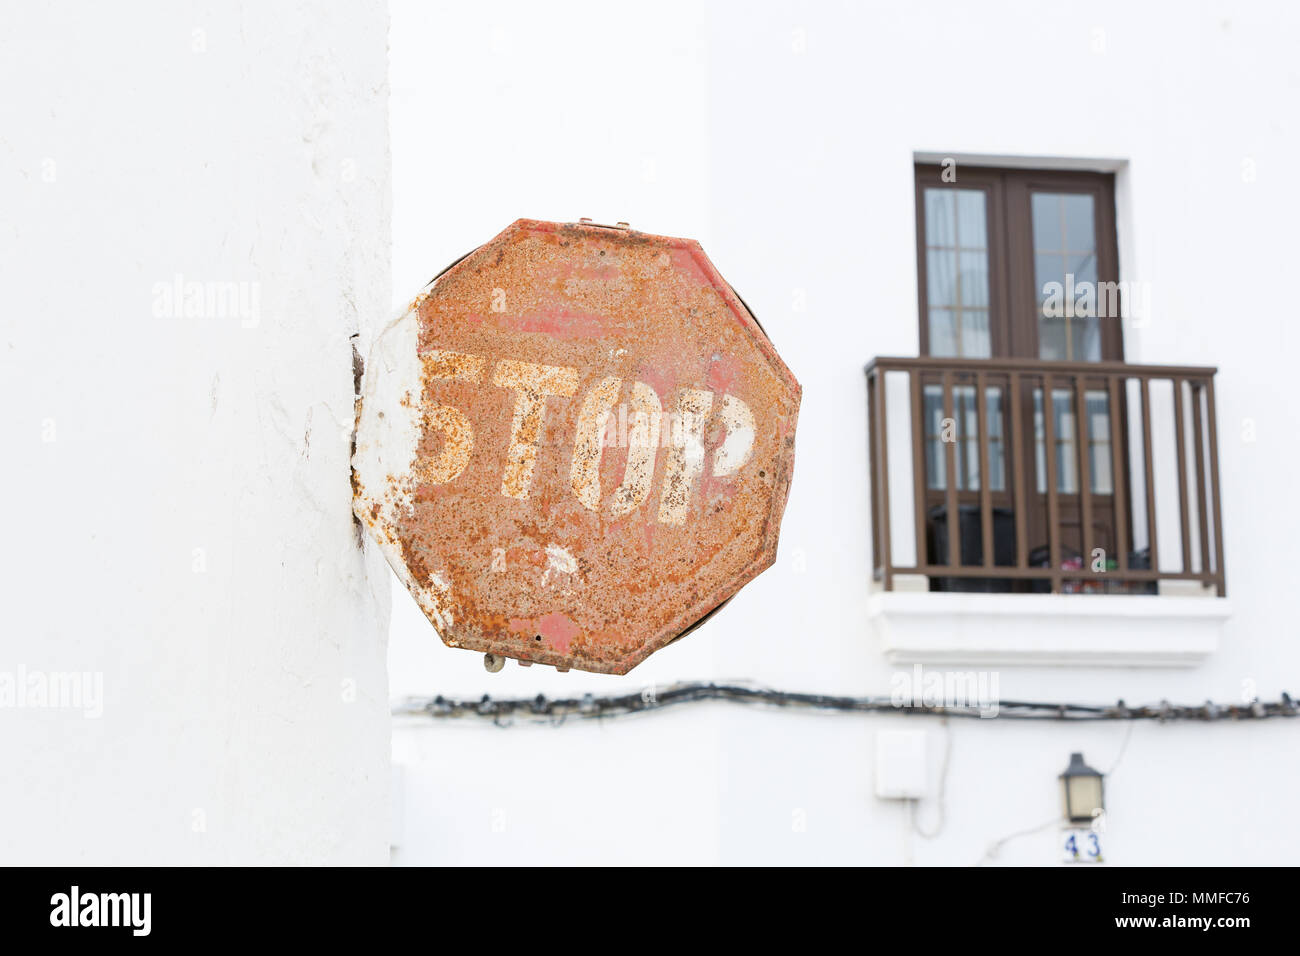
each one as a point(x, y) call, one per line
point(576, 444)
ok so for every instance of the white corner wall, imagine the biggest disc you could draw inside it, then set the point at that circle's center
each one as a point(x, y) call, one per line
point(177, 471)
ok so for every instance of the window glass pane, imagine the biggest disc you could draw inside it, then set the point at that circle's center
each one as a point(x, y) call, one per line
point(933, 409)
point(1051, 340)
point(1076, 211)
point(943, 333)
point(1049, 272)
point(1098, 415)
point(1066, 469)
point(1046, 210)
point(972, 233)
point(1067, 466)
point(997, 463)
point(940, 217)
point(1049, 267)
point(1040, 460)
point(1064, 420)
point(993, 402)
point(972, 464)
point(1100, 469)
point(935, 475)
point(967, 415)
point(957, 272)
point(935, 470)
point(1083, 266)
point(941, 276)
point(974, 279)
point(1065, 256)
point(975, 334)
point(997, 467)
point(1085, 340)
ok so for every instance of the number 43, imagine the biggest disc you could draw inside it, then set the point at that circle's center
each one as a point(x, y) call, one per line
point(1082, 845)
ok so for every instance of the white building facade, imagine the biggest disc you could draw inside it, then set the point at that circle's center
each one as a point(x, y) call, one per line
point(787, 139)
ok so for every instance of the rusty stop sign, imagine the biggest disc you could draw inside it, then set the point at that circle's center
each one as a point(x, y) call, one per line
point(575, 445)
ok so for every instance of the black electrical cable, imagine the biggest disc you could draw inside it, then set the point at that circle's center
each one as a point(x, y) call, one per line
point(504, 711)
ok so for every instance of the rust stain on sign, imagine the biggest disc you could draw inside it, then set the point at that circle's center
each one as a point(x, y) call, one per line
point(574, 445)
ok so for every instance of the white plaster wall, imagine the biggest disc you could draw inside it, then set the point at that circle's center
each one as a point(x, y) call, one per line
point(179, 503)
point(782, 136)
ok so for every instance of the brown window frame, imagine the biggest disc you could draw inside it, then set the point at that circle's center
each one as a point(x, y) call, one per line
point(1013, 299)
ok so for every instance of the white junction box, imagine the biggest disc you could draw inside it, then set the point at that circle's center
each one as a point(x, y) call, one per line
point(900, 764)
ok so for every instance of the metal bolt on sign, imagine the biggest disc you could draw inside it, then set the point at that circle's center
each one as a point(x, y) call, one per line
point(575, 445)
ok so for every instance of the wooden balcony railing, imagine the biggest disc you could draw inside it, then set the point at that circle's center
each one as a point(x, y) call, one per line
point(1021, 475)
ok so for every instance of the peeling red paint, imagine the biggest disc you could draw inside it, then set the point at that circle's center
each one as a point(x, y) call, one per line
point(558, 630)
point(562, 324)
point(723, 371)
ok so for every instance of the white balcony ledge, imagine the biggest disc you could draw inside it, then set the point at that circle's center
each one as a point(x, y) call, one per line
point(1091, 630)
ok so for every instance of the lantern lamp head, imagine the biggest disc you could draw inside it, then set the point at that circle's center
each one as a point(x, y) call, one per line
point(1083, 791)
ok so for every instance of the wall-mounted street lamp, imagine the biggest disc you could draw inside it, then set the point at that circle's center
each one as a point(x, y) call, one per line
point(1082, 788)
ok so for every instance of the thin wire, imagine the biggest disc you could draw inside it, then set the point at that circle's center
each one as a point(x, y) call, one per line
point(995, 847)
point(556, 710)
point(943, 786)
point(1128, 735)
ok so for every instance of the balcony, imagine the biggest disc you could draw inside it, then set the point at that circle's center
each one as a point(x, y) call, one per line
point(965, 496)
